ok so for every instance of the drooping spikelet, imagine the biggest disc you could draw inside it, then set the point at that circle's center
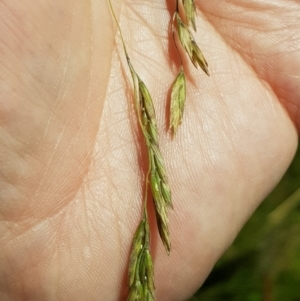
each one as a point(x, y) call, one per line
point(190, 11)
point(141, 272)
point(158, 177)
point(187, 41)
point(178, 96)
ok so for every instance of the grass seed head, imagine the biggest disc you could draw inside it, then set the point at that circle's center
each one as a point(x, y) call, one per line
point(158, 176)
point(184, 35)
point(146, 100)
point(150, 271)
point(158, 181)
point(188, 43)
point(136, 292)
point(190, 11)
point(161, 189)
point(138, 243)
point(198, 58)
point(141, 271)
point(164, 233)
point(148, 111)
point(178, 96)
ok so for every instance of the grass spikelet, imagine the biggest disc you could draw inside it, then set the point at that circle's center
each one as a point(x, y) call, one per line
point(161, 204)
point(158, 176)
point(178, 96)
point(141, 271)
point(187, 41)
point(141, 276)
point(198, 58)
point(190, 11)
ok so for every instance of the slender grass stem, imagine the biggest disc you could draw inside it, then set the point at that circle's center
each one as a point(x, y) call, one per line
point(141, 271)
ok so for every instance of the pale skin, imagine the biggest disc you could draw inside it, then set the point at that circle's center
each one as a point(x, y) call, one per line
point(71, 176)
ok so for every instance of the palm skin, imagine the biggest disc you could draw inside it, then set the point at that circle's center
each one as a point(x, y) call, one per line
point(71, 177)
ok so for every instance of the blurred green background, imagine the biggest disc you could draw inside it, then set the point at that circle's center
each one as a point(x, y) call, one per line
point(263, 264)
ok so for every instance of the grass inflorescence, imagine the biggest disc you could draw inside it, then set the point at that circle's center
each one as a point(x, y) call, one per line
point(187, 41)
point(141, 271)
point(160, 190)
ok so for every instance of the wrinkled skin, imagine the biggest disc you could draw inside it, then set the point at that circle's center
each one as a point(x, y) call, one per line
point(71, 176)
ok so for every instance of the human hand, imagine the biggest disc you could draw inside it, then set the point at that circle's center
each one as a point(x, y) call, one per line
point(70, 178)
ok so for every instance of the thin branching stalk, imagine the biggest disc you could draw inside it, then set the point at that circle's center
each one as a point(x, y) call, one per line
point(187, 41)
point(141, 272)
point(158, 177)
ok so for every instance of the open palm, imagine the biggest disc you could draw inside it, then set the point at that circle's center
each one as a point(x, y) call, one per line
point(70, 165)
